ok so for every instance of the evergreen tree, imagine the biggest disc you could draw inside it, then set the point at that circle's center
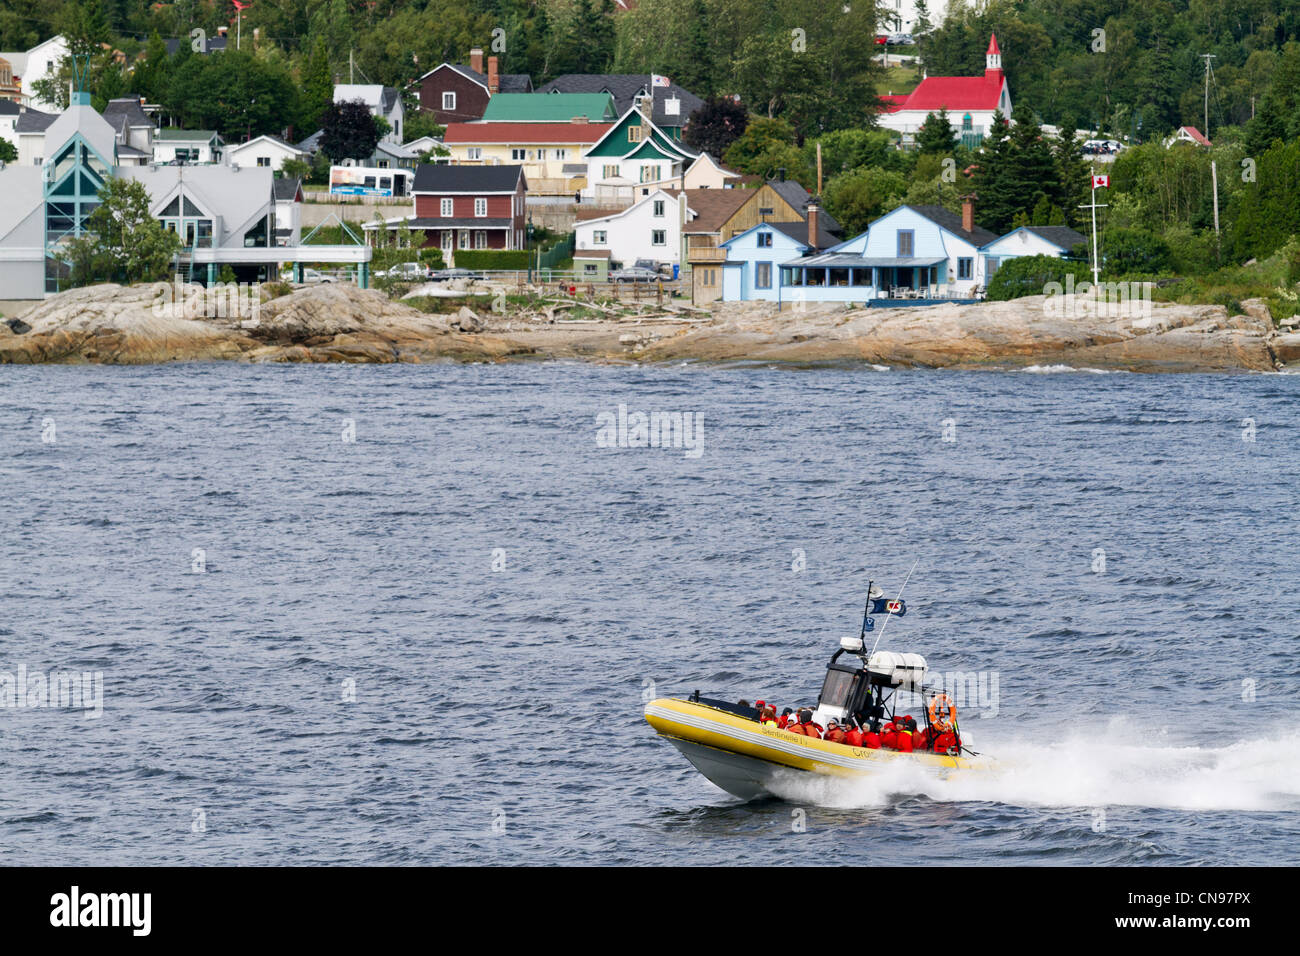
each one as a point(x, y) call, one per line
point(317, 87)
point(936, 134)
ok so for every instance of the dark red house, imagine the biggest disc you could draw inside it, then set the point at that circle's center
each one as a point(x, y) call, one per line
point(456, 93)
point(471, 207)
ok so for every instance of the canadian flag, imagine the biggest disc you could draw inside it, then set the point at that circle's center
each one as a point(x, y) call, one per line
point(1100, 181)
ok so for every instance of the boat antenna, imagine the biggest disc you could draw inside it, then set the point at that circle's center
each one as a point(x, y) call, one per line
point(881, 632)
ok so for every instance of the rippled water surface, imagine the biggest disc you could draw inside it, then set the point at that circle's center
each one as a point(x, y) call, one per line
point(1146, 712)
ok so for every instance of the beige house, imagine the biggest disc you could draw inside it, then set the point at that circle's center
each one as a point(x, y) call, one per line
point(708, 173)
point(551, 153)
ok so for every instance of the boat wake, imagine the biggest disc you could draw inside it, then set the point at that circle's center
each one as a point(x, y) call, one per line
point(1257, 775)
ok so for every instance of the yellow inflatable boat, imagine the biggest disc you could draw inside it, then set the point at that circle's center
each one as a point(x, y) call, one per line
point(743, 755)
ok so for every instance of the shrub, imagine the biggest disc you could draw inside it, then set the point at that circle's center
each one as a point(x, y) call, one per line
point(1127, 252)
point(1028, 275)
point(492, 259)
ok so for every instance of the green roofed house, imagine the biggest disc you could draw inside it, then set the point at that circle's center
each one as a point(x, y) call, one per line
point(188, 146)
point(634, 158)
point(549, 108)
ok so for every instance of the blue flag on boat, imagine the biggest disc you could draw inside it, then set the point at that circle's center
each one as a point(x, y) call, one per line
point(887, 606)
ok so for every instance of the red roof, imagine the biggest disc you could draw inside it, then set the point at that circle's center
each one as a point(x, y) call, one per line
point(993, 45)
point(893, 102)
point(956, 93)
point(458, 133)
point(1195, 134)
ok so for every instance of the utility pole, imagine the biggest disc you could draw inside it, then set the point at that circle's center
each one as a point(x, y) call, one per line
point(1207, 57)
point(349, 66)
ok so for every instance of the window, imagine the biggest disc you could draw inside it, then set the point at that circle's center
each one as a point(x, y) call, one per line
point(991, 264)
point(561, 154)
point(474, 152)
point(762, 275)
point(634, 134)
point(445, 209)
point(765, 240)
point(518, 154)
point(464, 238)
point(766, 211)
point(448, 101)
point(659, 207)
point(382, 164)
point(658, 237)
point(610, 172)
point(600, 237)
point(264, 160)
point(480, 239)
point(649, 174)
point(906, 243)
point(480, 207)
point(589, 268)
point(965, 268)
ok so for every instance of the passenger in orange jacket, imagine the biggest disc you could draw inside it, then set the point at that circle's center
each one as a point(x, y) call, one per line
point(904, 743)
point(889, 739)
point(871, 740)
point(853, 736)
point(833, 733)
point(784, 719)
point(944, 741)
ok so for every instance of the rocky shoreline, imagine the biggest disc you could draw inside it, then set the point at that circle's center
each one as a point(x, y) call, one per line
point(110, 324)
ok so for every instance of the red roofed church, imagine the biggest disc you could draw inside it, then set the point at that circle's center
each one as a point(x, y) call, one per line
point(971, 101)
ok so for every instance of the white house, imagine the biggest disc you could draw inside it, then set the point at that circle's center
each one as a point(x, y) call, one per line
point(1030, 241)
point(970, 101)
point(901, 16)
point(384, 101)
point(268, 151)
point(193, 147)
point(40, 62)
point(9, 113)
point(648, 229)
point(634, 158)
point(288, 210)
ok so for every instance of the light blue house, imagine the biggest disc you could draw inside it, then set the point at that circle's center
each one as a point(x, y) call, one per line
point(1030, 241)
point(754, 257)
point(914, 253)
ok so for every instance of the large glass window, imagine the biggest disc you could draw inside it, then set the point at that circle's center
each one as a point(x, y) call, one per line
point(906, 243)
point(762, 275)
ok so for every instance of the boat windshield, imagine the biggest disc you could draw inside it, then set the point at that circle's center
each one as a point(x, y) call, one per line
point(838, 687)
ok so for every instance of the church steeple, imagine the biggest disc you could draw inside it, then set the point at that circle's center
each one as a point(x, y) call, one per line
point(993, 58)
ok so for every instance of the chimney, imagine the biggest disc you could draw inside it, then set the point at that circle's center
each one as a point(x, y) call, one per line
point(476, 60)
point(494, 78)
point(578, 119)
point(968, 213)
point(645, 104)
point(814, 211)
point(221, 31)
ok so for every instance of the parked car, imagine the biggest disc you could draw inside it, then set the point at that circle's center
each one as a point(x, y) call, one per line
point(309, 276)
point(445, 275)
point(404, 270)
point(899, 39)
point(636, 273)
point(881, 40)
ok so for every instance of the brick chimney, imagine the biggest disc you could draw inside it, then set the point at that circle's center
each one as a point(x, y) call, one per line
point(968, 213)
point(814, 214)
point(578, 119)
point(494, 78)
point(476, 60)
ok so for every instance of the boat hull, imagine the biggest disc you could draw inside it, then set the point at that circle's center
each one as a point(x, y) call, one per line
point(746, 758)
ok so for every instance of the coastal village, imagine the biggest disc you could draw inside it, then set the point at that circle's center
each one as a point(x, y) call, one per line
point(586, 184)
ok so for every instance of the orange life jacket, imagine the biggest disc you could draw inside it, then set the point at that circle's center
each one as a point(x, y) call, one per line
point(904, 742)
point(871, 741)
point(853, 738)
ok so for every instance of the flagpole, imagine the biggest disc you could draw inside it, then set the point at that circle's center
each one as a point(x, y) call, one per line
point(1096, 277)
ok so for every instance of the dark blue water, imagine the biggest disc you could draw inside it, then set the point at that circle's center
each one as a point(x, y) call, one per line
point(350, 680)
